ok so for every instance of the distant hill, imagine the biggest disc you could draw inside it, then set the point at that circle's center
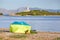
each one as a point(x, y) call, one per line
point(51, 10)
point(3, 10)
point(37, 13)
point(21, 9)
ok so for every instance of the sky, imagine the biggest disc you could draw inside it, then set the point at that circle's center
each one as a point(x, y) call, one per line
point(43, 4)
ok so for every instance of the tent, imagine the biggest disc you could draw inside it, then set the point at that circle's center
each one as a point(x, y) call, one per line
point(20, 27)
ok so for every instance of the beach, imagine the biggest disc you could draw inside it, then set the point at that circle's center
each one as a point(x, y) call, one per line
point(6, 35)
point(48, 28)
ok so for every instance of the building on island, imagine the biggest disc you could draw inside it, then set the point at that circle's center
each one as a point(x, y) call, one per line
point(27, 9)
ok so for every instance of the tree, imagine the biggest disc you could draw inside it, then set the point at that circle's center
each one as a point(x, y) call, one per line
point(1, 13)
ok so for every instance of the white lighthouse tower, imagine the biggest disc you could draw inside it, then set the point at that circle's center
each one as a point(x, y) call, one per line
point(27, 9)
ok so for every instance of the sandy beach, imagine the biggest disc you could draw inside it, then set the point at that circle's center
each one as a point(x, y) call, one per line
point(5, 35)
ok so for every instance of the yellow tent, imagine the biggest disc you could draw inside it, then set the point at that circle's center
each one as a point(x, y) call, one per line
point(20, 27)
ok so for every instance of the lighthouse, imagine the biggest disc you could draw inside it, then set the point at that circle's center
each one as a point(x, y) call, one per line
point(27, 9)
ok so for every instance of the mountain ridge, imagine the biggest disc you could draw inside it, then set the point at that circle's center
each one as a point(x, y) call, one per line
point(21, 9)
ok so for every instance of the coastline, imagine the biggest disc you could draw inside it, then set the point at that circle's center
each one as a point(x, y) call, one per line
point(31, 15)
point(38, 36)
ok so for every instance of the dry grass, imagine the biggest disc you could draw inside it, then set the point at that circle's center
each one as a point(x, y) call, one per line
point(0, 38)
point(18, 36)
point(35, 36)
point(58, 38)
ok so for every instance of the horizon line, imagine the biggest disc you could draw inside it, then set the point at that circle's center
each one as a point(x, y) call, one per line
point(31, 7)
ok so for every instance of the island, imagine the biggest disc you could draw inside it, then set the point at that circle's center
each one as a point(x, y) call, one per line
point(37, 13)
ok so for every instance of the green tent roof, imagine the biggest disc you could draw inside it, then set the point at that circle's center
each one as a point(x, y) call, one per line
point(21, 23)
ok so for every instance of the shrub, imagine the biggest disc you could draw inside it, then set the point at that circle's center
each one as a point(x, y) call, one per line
point(33, 31)
point(58, 38)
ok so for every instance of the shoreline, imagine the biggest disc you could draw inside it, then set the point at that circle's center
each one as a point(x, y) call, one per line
point(38, 36)
point(7, 29)
point(37, 15)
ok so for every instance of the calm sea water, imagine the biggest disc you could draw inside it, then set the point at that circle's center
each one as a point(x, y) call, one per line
point(40, 23)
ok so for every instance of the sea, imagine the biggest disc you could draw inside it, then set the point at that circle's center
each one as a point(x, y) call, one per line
point(39, 23)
